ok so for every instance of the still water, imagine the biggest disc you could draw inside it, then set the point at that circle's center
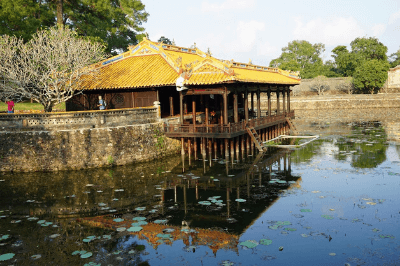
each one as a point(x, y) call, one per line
point(333, 202)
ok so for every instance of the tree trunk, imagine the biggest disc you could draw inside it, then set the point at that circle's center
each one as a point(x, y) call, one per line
point(60, 11)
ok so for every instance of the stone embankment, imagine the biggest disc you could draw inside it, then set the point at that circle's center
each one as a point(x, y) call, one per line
point(79, 140)
point(345, 108)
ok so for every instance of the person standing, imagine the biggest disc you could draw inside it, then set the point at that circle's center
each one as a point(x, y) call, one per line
point(10, 106)
point(102, 103)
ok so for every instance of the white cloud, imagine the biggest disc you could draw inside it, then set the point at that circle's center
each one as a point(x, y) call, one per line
point(378, 30)
point(226, 5)
point(331, 32)
point(393, 17)
point(246, 36)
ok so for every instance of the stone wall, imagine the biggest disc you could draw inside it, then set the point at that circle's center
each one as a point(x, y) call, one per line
point(79, 140)
point(393, 81)
point(83, 148)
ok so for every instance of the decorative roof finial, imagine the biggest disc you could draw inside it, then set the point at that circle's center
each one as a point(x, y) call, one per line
point(250, 62)
point(173, 42)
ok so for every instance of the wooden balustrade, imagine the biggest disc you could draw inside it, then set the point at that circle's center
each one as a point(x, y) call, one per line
point(186, 130)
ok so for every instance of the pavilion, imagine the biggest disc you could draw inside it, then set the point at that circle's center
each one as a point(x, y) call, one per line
point(218, 101)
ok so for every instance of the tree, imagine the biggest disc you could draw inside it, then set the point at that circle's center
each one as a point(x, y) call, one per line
point(368, 49)
point(370, 76)
point(165, 40)
point(116, 22)
point(362, 49)
point(345, 85)
point(320, 85)
point(49, 68)
point(344, 60)
point(394, 59)
point(301, 56)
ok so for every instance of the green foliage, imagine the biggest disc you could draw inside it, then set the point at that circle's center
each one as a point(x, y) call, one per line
point(110, 160)
point(160, 139)
point(301, 56)
point(368, 49)
point(117, 22)
point(394, 59)
point(165, 40)
point(370, 75)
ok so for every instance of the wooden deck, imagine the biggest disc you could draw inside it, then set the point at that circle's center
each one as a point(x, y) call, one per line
point(223, 131)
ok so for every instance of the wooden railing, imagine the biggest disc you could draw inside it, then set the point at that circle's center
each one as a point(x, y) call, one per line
point(229, 128)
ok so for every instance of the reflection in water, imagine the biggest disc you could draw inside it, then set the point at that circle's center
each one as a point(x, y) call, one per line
point(195, 211)
point(206, 202)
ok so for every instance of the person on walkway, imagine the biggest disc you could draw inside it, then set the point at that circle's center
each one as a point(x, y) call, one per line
point(102, 103)
point(10, 105)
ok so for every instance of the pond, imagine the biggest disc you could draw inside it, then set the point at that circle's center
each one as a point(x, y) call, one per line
point(334, 201)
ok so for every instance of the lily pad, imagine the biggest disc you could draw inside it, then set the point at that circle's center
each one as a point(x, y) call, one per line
point(107, 236)
point(273, 227)
point(386, 236)
point(283, 223)
point(304, 235)
point(4, 237)
point(160, 221)
point(328, 217)
point(240, 200)
point(121, 229)
point(139, 218)
point(265, 242)
point(86, 255)
point(54, 235)
point(6, 256)
point(305, 210)
point(204, 202)
point(135, 229)
point(164, 236)
point(140, 208)
point(249, 243)
point(36, 257)
point(290, 229)
point(118, 220)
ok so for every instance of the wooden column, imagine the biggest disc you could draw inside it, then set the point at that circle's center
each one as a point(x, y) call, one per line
point(269, 101)
point(288, 100)
point(237, 148)
point(284, 101)
point(194, 113)
point(246, 106)
point(252, 103)
point(278, 107)
point(206, 110)
point(171, 106)
point(181, 106)
point(235, 107)
point(258, 103)
point(225, 107)
point(232, 146)
point(189, 143)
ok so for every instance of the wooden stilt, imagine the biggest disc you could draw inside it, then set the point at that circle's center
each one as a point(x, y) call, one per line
point(195, 148)
point(215, 149)
point(237, 148)
point(227, 148)
point(232, 146)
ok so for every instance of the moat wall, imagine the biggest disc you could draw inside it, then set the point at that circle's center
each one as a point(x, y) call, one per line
point(44, 147)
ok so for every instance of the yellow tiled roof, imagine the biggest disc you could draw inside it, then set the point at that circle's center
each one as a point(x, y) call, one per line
point(260, 76)
point(151, 64)
point(135, 72)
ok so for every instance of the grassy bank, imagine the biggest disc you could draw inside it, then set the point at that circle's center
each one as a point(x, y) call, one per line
point(28, 106)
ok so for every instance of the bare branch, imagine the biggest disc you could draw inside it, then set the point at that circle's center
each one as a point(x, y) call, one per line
point(49, 68)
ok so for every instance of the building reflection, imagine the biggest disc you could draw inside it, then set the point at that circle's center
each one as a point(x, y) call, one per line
point(236, 193)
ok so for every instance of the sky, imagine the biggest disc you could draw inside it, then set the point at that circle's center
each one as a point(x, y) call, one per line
point(257, 30)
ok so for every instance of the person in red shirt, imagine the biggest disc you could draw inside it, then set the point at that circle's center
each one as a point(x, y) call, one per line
point(10, 105)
